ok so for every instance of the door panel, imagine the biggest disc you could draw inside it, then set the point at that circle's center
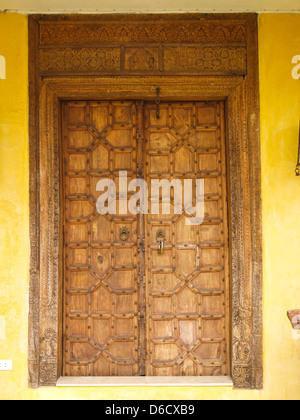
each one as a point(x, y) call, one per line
point(129, 308)
point(187, 313)
point(100, 284)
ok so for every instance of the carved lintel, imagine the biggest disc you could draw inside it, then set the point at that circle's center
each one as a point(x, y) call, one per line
point(155, 31)
point(180, 59)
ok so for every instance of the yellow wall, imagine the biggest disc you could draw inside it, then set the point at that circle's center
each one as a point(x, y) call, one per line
point(279, 41)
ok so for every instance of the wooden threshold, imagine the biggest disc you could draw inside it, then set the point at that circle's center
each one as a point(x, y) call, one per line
point(150, 381)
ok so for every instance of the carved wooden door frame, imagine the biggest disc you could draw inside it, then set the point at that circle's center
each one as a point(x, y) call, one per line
point(190, 57)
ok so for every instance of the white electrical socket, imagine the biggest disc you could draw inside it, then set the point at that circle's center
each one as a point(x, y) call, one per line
point(5, 364)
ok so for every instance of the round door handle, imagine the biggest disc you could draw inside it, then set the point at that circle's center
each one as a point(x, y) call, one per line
point(124, 234)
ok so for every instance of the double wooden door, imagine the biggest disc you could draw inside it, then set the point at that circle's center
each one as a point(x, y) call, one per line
point(131, 308)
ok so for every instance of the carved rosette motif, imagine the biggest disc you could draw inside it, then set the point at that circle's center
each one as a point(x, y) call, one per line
point(242, 376)
point(194, 53)
point(48, 373)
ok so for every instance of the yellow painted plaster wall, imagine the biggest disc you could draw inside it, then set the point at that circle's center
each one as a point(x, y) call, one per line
point(279, 41)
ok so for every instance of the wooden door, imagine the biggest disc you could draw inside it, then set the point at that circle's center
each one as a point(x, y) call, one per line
point(101, 269)
point(187, 286)
point(130, 309)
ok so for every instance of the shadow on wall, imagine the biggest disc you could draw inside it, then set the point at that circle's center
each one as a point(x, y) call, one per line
point(2, 67)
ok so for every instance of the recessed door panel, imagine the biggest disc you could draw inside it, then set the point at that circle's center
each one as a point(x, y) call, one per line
point(145, 294)
point(100, 268)
point(187, 312)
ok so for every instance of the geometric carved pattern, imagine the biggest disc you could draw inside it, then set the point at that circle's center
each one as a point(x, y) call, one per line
point(187, 319)
point(210, 59)
point(100, 300)
point(210, 31)
point(188, 286)
point(80, 59)
point(120, 47)
point(174, 59)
